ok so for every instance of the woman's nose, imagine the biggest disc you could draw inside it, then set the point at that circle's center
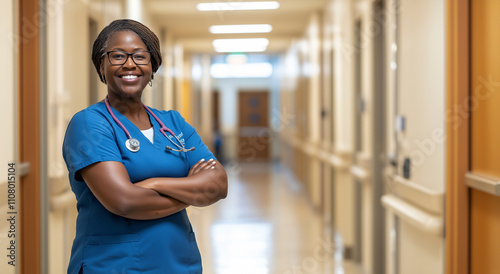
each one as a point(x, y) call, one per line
point(129, 62)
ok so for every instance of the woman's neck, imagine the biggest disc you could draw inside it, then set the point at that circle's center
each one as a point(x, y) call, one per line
point(129, 107)
point(133, 109)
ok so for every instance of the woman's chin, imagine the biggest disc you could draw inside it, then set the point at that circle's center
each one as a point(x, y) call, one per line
point(129, 92)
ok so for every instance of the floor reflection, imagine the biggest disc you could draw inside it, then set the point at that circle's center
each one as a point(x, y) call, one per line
point(242, 247)
point(266, 225)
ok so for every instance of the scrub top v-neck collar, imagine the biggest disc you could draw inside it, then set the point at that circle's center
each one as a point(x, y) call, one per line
point(136, 131)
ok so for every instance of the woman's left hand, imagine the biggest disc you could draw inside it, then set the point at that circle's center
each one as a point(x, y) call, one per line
point(202, 165)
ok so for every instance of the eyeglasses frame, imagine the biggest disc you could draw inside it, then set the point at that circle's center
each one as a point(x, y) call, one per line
point(128, 55)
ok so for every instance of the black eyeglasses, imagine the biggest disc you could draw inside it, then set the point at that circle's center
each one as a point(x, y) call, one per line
point(120, 57)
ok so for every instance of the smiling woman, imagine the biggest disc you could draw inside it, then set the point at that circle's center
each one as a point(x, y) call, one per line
point(132, 197)
point(125, 76)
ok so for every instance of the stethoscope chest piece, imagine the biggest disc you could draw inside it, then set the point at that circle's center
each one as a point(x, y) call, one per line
point(133, 144)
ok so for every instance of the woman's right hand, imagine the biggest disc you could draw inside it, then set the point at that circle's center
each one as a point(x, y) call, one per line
point(202, 165)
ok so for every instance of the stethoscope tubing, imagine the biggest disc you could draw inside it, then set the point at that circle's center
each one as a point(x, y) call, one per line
point(133, 144)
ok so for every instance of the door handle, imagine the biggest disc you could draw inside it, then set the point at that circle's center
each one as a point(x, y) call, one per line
point(24, 168)
point(483, 183)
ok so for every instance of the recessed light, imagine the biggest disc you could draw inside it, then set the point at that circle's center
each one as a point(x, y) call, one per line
point(241, 45)
point(264, 5)
point(250, 28)
point(249, 70)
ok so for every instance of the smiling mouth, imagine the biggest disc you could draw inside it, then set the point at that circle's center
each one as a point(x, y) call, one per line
point(129, 77)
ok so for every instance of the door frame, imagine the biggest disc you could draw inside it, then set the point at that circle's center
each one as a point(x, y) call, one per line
point(30, 133)
point(457, 143)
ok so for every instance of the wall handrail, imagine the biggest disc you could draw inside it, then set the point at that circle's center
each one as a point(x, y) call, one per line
point(360, 173)
point(62, 200)
point(415, 216)
point(482, 182)
point(338, 162)
point(429, 200)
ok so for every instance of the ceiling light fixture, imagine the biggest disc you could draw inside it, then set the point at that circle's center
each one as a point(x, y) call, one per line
point(250, 70)
point(264, 5)
point(241, 45)
point(250, 28)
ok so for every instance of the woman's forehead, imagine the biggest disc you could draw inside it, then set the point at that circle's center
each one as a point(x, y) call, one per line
point(125, 38)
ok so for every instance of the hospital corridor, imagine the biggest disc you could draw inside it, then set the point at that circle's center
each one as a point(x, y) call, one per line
point(266, 225)
point(250, 137)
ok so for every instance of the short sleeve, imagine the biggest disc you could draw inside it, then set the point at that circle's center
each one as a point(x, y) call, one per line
point(193, 139)
point(89, 139)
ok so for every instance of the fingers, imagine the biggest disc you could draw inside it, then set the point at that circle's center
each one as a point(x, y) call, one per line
point(211, 163)
point(194, 167)
point(199, 166)
point(202, 165)
point(206, 165)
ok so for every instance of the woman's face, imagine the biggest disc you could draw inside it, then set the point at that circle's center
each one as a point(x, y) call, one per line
point(127, 80)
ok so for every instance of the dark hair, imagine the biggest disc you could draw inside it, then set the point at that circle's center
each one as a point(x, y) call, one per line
point(147, 36)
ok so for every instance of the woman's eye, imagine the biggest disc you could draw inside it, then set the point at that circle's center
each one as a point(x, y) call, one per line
point(139, 56)
point(118, 56)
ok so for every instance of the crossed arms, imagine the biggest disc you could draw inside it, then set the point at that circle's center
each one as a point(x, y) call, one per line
point(154, 198)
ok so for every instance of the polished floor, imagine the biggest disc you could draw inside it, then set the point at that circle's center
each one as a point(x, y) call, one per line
point(266, 225)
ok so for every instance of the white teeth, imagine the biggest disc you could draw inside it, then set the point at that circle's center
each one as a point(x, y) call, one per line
point(129, 77)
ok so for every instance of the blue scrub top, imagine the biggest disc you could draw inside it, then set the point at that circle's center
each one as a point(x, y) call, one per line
point(108, 243)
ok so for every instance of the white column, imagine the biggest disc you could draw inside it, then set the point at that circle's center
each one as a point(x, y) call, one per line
point(206, 101)
point(134, 10)
point(179, 77)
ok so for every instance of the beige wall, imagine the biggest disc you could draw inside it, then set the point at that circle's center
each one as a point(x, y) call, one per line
point(68, 64)
point(343, 73)
point(421, 100)
point(314, 107)
point(423, 253)
point(422, 90)
point(7, 123)
point(391, 45)
point(7, 70)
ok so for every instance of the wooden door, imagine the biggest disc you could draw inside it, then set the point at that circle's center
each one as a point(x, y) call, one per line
point(485, 135)
point(473, 148)
point(253, 127)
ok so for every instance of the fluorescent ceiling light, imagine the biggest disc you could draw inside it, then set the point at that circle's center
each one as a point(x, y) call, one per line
point(249, 70)
point(251, 28)
point(241, 45)
point(265, 5)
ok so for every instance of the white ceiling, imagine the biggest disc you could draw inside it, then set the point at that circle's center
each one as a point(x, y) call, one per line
point(188, 25)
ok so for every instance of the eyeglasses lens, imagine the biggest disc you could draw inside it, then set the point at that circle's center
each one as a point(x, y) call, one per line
point(120, 58)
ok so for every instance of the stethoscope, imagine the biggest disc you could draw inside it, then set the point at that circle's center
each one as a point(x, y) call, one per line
point(134, 145)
